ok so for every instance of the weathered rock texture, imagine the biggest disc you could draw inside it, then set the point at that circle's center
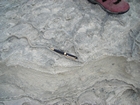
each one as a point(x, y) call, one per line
point(107, 71)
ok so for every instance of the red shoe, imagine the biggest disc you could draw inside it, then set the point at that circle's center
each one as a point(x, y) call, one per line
point(112, 6)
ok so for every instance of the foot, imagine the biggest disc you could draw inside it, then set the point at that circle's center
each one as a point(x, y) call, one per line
point(112, 6)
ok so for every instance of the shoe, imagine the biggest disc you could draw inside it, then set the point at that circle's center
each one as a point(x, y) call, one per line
point(112, 6)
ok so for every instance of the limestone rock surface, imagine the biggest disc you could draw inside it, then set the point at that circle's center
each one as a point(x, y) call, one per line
point(107, 71)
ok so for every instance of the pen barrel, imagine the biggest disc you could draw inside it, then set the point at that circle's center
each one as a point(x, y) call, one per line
point(65, 54)
point(58, 51)
point(70, 55)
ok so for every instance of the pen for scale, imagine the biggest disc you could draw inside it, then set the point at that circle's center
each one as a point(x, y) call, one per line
point(49, 48)
point(64, 53)
point(68, 55)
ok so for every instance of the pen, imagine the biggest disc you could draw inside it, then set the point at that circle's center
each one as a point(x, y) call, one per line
point(65, 54)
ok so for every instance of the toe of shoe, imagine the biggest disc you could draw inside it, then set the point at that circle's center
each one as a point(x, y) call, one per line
point(120, 8)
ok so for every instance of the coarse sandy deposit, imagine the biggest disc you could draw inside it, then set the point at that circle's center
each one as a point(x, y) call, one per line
point(107, 71)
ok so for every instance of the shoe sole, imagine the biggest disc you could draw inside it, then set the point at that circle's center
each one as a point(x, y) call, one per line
point(95, 2)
